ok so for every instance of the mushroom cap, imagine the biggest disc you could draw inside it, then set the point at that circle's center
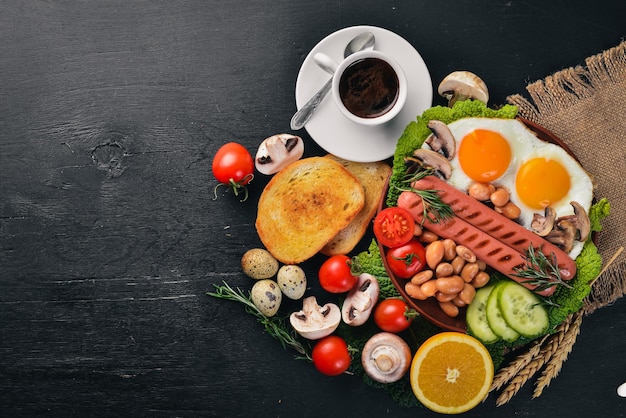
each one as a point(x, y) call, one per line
point(462, 85)
point(563, 235)
point(277, 152)
point(314, 321)
point(360, 301)
point(434, 160)
point(386, 357)
point(441, 139)
point(580, 219)
point(543, 224)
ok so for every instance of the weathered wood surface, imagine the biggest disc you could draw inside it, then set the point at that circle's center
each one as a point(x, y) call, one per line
point(110, 113)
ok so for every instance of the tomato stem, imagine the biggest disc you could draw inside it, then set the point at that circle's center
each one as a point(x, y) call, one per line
point(236, 186)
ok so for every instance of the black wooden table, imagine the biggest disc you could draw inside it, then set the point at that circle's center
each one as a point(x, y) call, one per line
point(110, 113)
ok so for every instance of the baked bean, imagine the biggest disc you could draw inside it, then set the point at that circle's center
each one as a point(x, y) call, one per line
point(466, 253)
point(434, 253)
point(417, 229)
point(480, 280)
point(414, 291)
point(499, 197)
point(509, 210)
point(450, 285)
point(459, 302)
point(457, 264)
point(449, 249)
point(481, 265)
point(422, 277)
point(429, 288)
point(467, 294)
point(481, 191)
point(470, 270)
point(445, 297)
point(444, 270)
point(428, 237)
point(449, 309)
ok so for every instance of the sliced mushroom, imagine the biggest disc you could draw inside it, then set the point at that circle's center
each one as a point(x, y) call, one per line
point(360, 301)
point(434, 160)
point(563, 235)
point(441, 139)
point(580, 220)
point(314, 321)
point(277, 152)
point(463, 85)
point(543, 224)
point(386, 357)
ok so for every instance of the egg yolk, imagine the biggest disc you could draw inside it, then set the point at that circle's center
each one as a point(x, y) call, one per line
point(541, 182)
point(484, 155)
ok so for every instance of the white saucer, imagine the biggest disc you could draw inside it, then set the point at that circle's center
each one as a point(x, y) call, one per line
point(342, 137)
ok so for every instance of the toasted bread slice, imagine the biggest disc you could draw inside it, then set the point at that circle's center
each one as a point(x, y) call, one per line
point(305, 205)
point(373, 178)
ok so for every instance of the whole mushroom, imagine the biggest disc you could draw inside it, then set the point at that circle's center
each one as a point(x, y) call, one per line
point(314, 321)
point(277, 152)
point(386, 357)
point(463, 85)
point(360, 301)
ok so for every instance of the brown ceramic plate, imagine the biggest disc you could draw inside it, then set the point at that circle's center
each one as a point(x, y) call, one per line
point(429, 308)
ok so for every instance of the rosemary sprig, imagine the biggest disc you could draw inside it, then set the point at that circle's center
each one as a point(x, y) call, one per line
point(275, 326)
point(434, 208)
point(540, 270)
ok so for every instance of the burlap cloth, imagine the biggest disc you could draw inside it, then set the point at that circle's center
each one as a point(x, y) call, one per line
point(585, 106)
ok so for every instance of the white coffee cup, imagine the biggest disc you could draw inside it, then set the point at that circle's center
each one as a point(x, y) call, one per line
point(369, 88)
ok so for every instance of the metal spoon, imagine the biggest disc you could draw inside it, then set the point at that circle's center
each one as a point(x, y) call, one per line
point(301, 117)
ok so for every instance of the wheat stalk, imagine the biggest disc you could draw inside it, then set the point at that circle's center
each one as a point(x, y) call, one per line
point(529, 363)
point(553, 367)
point(505, 374)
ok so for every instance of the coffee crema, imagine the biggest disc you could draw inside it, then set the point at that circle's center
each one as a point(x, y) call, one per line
point(369, 87)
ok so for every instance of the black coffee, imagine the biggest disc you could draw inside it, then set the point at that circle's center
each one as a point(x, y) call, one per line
point(369, 87)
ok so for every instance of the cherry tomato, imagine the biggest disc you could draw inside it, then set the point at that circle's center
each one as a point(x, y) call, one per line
point(406, 260)
point(233, 166)
point(331, 356)
point(335, 275)
point(393, 226)
point(393, 315)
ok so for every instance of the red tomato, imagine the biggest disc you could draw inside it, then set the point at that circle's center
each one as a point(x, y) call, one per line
point(233, 166)
point(331, 356)
point(335, 275)
point(393, 315)
point(393, 226)
point(406, 260)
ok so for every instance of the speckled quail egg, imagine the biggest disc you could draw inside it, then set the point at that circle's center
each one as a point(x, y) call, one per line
point(292, 281)
point(258, 264)
point(266, 296)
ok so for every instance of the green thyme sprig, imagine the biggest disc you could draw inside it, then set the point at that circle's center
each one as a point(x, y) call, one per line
point(434, 208)
point(275, 326)
point(540, 270)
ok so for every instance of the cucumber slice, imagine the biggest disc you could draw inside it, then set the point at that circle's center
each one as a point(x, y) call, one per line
point(476, 317)
point(496, 321)
point(522, 310)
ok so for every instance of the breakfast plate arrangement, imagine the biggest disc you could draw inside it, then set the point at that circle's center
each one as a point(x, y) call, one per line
point(479, 231)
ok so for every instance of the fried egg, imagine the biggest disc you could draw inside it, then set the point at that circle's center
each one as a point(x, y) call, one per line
point(506, 153)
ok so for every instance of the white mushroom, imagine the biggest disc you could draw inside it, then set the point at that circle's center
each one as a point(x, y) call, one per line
point(277, 152)
point(463, 85)
point(360, 301)
point(314, 321)
point(386, 357)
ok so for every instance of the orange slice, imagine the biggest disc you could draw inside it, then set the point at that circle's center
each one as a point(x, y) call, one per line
point(451, 373)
